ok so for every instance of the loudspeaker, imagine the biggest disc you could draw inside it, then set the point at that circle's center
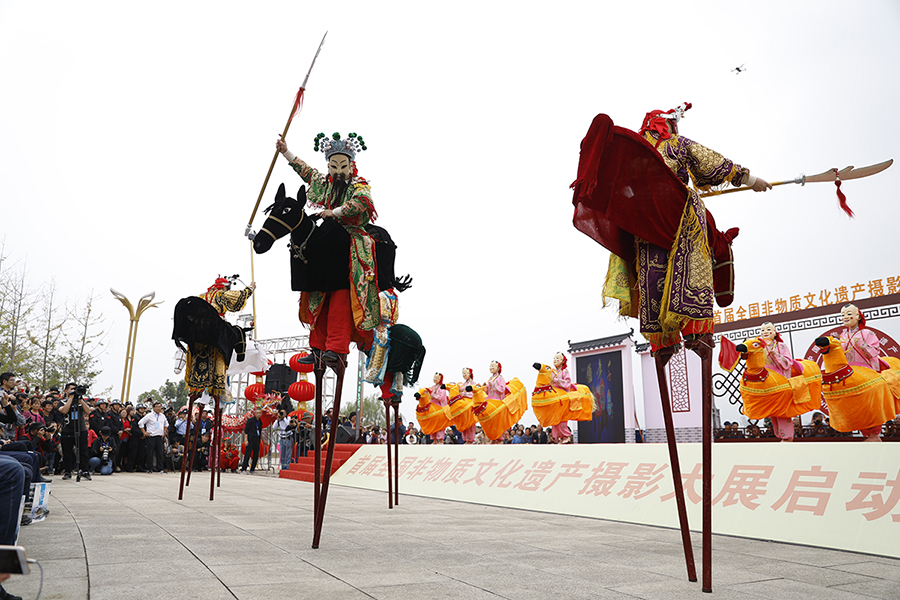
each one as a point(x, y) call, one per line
point(279, 378)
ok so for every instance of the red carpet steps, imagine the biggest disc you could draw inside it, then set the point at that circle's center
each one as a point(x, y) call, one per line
point(304, 469)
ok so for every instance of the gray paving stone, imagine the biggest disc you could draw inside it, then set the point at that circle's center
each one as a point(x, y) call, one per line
point(254, 541)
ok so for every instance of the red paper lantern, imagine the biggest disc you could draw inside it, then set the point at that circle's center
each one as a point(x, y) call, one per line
point(253, 392)
point(300, 368)
point(302, 391)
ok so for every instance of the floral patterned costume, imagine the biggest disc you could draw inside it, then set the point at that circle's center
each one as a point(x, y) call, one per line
point(357, 211)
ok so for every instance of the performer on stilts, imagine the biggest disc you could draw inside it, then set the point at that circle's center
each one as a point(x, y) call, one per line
point(208, 341)
point(337, 317)
point(394, 360)
point(669, 288)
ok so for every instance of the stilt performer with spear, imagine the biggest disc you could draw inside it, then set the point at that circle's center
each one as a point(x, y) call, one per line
point(335, 317)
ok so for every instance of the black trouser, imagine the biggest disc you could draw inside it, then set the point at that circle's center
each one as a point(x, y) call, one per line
point(252, 449)
point(136, 446)
point(155, 449)
point(68, 448)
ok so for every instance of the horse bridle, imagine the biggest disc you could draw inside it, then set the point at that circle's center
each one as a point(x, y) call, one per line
point(283, 224)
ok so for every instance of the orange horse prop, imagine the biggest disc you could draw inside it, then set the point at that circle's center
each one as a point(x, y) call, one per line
point(553, 405)
point(496, 416)
point(858, 397)
point(766, 393)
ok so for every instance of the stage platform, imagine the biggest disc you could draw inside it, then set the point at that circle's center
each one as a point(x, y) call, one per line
point(126, 536)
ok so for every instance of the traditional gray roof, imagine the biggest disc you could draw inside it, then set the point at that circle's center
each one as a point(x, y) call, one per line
point(613, 340)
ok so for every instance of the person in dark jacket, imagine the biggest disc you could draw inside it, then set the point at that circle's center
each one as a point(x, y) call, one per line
point(253, 429)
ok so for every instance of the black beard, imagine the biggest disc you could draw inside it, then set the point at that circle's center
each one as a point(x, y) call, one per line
point(338, 186)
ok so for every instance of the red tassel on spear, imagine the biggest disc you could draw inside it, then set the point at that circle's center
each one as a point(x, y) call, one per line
point(297, 106)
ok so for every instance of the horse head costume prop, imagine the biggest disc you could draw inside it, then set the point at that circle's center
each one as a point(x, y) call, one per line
point(320, 248)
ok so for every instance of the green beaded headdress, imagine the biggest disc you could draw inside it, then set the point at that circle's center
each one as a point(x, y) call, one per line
point(335, 145)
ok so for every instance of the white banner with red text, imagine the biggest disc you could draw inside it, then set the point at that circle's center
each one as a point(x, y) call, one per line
point(835, 495)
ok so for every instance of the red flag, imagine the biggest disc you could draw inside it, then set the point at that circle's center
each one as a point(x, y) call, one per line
point(728, 354)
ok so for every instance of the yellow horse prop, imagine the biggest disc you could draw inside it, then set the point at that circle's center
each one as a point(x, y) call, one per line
point(553, 405)
point(766, 393)
point(858, 397)
point(460, 408)
point(496, 416)
point(432, 418)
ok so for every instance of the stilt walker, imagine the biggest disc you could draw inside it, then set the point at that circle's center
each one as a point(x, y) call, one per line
point(668, 262)
point(209, 342)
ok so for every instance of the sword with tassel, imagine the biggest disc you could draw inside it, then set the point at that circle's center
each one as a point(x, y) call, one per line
point(835, 175)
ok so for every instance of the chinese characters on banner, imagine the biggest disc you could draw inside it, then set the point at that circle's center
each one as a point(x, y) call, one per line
point(827, 487)
point(840, 295)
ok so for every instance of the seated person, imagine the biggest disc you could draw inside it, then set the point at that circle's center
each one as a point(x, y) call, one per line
point(103, 452)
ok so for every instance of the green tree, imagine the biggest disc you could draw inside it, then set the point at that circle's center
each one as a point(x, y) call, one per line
point(372, 411)
point(175, 394)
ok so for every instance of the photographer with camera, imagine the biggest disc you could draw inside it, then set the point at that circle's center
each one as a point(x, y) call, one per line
point(74, 436)
point(103, 452)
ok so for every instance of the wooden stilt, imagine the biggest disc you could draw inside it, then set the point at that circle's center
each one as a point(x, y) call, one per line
point(662, 357)
point(187, 438)
point(329, 455)
point(317, 445)
point(213, 446)
point(703, 347)
point(390, 473)
point(396, 454)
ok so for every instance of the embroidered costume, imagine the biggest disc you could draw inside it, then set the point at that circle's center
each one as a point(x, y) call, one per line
point(662, 240)
point(499, 405)
point(353, 208)
point(555, 400)
point(461, 408)
point(208, 341)
point(861, 347)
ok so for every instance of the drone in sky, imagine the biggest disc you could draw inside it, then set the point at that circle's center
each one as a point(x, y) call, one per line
point(739, 70)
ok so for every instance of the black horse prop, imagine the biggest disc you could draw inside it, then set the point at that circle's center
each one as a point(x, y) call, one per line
point(320, 261)
point(320, 252)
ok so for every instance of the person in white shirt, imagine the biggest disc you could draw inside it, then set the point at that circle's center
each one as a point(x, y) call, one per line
point(155, 427)
point(286, 435)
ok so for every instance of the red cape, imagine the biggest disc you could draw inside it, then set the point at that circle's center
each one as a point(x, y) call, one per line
point(625, 190)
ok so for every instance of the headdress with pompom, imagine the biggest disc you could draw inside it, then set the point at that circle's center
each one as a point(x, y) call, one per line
point(335, 145)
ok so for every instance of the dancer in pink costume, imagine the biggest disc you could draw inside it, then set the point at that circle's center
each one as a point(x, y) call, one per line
point(563, 380)
point(860, 344)
point(440, 397)
point(862, 349)
point(468, 435)
point(778, 359)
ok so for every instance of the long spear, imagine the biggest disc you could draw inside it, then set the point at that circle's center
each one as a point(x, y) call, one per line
point(835, 175)
point(295, 108)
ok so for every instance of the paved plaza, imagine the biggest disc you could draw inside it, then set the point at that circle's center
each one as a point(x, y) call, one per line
point(126, 536)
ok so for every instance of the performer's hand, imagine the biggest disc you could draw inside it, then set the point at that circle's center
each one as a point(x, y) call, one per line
point(252, 285)
point(280, 145)
point(326, 213)
point(761, 185)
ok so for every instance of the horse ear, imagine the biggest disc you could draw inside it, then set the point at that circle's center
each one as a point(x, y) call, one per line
point(279, 195)
point(301, 195)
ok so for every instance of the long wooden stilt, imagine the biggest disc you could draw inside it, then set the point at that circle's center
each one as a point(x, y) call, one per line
point(703, 347)
point(390, 473)
point(662, 357)
point(396, 454)
point(187, 437)
point(317, 446)
point(329, 455)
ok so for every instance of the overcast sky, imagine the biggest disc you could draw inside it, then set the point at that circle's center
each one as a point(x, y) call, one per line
point(134, 139)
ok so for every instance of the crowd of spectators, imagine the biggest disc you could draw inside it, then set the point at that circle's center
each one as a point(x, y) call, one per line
point(818, 427)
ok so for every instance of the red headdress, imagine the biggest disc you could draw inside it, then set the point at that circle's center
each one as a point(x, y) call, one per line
point(862, 319)
point(565, 364)
point(442, 378)
point(471, 372)
point(499, 367)
point(658, 121)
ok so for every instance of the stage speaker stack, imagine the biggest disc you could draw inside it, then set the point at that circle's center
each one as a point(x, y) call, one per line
point(279, 378)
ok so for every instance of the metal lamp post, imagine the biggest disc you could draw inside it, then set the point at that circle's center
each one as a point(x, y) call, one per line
point(144, 303)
